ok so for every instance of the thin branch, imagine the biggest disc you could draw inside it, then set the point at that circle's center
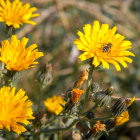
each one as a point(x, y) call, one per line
point(133, 124)
point(117, 97)
point(54, 130)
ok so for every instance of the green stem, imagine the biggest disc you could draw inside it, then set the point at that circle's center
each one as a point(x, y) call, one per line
point(102, 119)
point(54, 130)
point(51, 120)
point(97, 119)
point(88, 86)
point(41, 94)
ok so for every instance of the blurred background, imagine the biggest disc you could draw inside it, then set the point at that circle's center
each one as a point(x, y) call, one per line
point(56, 29)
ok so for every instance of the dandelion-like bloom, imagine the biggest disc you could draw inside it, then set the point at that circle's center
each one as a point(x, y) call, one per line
point(123, 118)
point(104, 46)
point(15, 13)
point(14, 109)
point(16, 57)
point(76, 93)
point(54, 104)
point(98, 127)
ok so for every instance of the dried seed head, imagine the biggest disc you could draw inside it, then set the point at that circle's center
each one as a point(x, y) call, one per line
point(81, 79)
point(98, 127)
point(76, 93)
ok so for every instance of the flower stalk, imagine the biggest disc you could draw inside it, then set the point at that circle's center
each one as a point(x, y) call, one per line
point(88, 87)
point(54, 130)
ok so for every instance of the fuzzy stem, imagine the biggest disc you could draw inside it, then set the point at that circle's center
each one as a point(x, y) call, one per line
point(96, 119)
point(88, 86)
point(102, 119)
point(54, 130)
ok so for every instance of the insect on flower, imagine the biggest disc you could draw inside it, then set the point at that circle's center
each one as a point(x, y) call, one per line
point(106, 47)
point(103, 46)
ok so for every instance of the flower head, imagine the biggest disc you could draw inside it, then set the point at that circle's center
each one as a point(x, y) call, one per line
point(76, 93)
point(104, 46)
point(98, 127)
point(103, 98)
point(54, 104)
point(15, 13)
point(16, 57)
point(121, 105)
point(14, 109)
point(123, 118)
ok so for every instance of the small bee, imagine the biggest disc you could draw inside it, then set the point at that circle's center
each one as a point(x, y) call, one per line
point(107, 47)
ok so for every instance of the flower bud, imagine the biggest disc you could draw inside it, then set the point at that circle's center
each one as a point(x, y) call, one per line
point(103, 98)
point(121, 105)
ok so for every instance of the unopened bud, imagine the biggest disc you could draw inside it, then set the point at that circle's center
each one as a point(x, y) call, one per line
point(103, 98)
point(121, 105)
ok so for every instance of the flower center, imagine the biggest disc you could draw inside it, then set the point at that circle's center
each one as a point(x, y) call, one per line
point(106, 47)
point(103, 49)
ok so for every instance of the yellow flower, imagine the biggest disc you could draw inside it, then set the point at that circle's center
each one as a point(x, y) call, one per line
point(104, 46)
point(15, 13)
point(123, 118)
point(54, 103)
point(14, 109)
point(16, 56)
point(76, 93)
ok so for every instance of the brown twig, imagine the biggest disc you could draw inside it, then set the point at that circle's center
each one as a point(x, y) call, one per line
point(117, 97)
point(134, 124)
